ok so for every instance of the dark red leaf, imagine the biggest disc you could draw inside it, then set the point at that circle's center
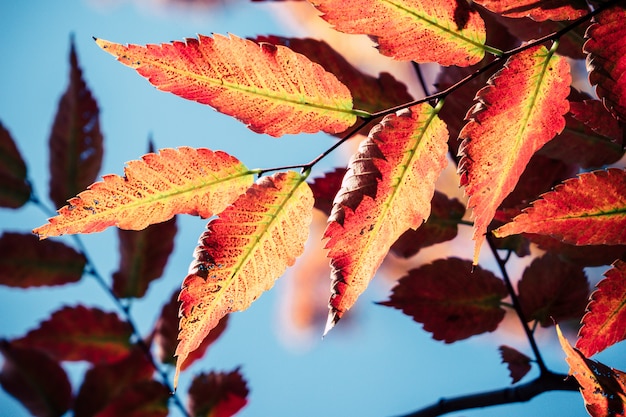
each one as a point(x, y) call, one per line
point(552, 290)
point(14, 189)
point(517, 362)
point(217, 394)
point(326, 188)
point(144, 254)
point(28, 262)
point(595, 255)
point(451, 301)
point(143, 399)
point(75, 141)
point(81, 333)
point(36, 380)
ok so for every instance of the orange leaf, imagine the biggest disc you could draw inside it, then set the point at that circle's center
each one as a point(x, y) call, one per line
point(270, 88)
point(587, 210)
point(154, 189)
point(217, 394)
point(602, 388)
point(446, 32)
point(387, 190)
point(517, 362)
point(75, 140)
point(14, 189)
point(518, 112)
point(603, 324)
point(538, 10)
point(242, 253)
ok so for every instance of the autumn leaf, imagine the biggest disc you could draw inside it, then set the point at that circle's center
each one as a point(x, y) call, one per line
point(80, 333)
point(217, 394)
point(451, 301)
point(36, 380)
point(587, 210)
point(596, 255)
point(552, 290)
point(174, 181)
point(143, 254)
point(75, 141)
point(387, 190)
point(602, 388)
point(242, 253)
point(603, 324)
point(446, 32)
point(606, 59)
point(517, 362)
point(270, 88)
point(540, 11)
point(143, 399)
point(517, 113)
point(14, 188)
point(325, 189)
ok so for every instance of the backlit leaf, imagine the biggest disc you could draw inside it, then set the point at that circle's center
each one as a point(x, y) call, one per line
point(143, 256)
point(387, 190)
point(602, 388)
point(446, 32)
point(28, 262)
point(606, 59)
point(595, 255)
point(217, 394)
point(517, 362)
point(174, 181)
point(517, 113)
point(36, 380)
point(242, 253)
point(75, 139)
point(143, 399)
point(270, 88)
point(552, 290)
point(603, 324)
point(14, 189)
point(538, 10)
point(451, 301)
point(81, 333)
point(587, 210)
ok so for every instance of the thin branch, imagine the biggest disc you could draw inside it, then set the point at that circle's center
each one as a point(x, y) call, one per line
point(521, 393)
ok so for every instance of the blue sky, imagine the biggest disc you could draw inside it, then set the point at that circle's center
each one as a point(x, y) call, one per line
point(382, 365)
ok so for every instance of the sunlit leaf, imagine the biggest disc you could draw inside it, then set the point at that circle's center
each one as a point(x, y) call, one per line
point(604, 323)
point(517, 362)
point(270, 88)
point(28, 262)
point(154, 189)
point(242, 253)
point(451, 301)
point(387, 190)
point(606, 59)
point(36, 380)
point(81, 333)
point(14, 189)
point(217, 394)
point(538, 10)
point(552, 290)
point(143, 256)
point(142, 399)
point(602, 388)
point(517, 113)
point(449, 33)
point(587, 210)
point(75, 141)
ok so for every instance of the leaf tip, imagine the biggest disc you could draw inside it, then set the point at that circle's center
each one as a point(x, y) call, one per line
point(333, 318)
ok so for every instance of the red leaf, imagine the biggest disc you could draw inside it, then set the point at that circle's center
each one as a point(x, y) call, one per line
point(36, 380)
point(451, 301)
point(602, 388)
point(326, 188)
point(603, 324)
point(28, 262)
point(552, 290)
point(75, 140)
point(144, 255)
point(217, 394)
point(81, 333)
point(606, 59)
point(441, 226)
point(588, 210)
point(497, 146)
point(596, 255)
point(538, 10)
point(387, 190)
point(14, 188)
point(270, 88)
point(143, 399)
point(103, 383)
point(517, 362)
